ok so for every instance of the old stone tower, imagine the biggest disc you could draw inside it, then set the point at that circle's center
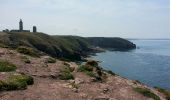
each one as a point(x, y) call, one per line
point(34, 29)
point(20, 25)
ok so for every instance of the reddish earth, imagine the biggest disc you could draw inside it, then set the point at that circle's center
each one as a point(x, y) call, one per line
point(48, 87)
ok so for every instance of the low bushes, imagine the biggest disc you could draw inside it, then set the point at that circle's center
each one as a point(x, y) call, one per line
point(6, 66)
point(51, 60)
point(88, 70)
point(25, 59)
point(165, 92)
point(146, 92)
point(16, 82)
point(92, 63)
point(110, 72)
point(27, 51)
point(65, 74)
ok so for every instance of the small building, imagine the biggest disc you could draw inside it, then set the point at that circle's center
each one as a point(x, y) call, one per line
point(6, 30)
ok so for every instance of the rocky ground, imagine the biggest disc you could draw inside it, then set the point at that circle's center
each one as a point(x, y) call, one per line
point(47, 85)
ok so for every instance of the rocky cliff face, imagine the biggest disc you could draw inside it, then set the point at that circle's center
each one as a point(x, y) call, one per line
point(111, 43)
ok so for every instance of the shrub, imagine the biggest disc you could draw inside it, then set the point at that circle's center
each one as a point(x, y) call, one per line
point(51, 60)
point(165, 92)
point(91, 74)
point(27, 51)
point(6, 66)
point(83, 68)
point(87, 69)
point(146, 92)
point(110, 72)
point(16, 82)
point(92, 63)
point(65, 74)
point(25, 59)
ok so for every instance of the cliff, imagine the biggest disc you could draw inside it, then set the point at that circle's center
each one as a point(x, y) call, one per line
point(67, 47)
point(111, 43)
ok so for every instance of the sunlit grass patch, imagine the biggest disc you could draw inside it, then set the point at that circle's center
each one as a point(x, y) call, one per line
point(6, 66)
point(165, 92)
point(146, 92)
point(16, 82)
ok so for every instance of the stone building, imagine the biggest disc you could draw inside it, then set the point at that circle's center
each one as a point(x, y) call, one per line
point(34, 29)
point(21, 29)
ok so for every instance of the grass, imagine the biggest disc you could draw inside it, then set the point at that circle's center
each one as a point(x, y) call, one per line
point(87, 69)
point(65, 74)
point(51, 60)
point(56, 46)
point(6, 66)
point(27, 51)
point(110, 72)
point(84, 68)
point(25, 59)
point(16, 82)
point(146, 92)
point(92, 63)
point(165, 92)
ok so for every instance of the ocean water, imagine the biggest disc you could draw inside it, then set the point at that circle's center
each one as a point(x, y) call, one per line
point(150, 63)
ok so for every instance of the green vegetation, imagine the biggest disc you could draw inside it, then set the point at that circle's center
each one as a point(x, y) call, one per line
point(89, 73)
point(146, 92)
point(110, 72)
point(6, 66)
point(111, 43)
point(16, 82)
point(51, 60)
point(84, 68)
point(64, 47)
point(27, 51)
point(92, 69)
point(65, 73)
point(92, 63)
point(25, 59)
point(165, 92)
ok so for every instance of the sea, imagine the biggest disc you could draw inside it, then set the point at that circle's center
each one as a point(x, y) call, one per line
point(149, 63)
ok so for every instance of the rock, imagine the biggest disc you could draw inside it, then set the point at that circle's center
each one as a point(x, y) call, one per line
point(79, 81)
point(2, 53)
point(105, 90)
point(71, 81)
point(43, 76)
point(102, 98)
point(92, 79)
point(18, 71)
point(54, 76)
point(75, 90)
point(83, 95)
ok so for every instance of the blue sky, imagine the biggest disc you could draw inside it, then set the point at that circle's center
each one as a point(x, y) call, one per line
point(110, 18)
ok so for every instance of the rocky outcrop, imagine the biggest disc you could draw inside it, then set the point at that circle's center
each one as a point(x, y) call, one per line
point(111, 43)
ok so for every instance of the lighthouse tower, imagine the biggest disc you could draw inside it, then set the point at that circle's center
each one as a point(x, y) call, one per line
point(20, 25)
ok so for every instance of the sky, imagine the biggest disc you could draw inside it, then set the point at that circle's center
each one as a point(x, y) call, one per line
point(90, 18)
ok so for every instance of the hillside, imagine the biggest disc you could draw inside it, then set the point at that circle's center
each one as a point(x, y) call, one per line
point(111, 43)
point(23, 77)
point(67, 47)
